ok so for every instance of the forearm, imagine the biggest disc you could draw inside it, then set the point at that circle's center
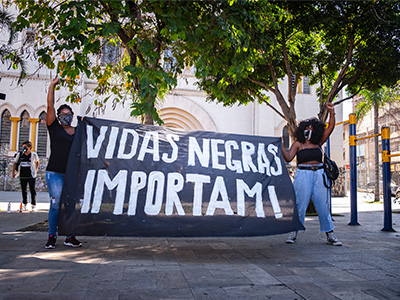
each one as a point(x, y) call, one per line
point(51, 112)
point(285, 155)
point(50, 96)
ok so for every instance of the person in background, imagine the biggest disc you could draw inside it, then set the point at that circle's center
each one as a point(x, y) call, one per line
point(61, 137)
point(28, 163)
point(308, 181)
point(291, 174)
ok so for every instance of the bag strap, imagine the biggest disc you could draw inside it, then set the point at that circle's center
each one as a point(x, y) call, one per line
point(326, 180)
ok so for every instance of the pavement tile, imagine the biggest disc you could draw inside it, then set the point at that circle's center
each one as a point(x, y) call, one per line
point(164, 259)
point(384, 293)
point(171, 280)
point(108, 272)
point(44, 296)
point(359, 290)
point(312, 291)
point(77, 279)
point(256, 275)
point(260, 292)
point(352, 265)
point(39, 281)
point(209, 293)
point(164, 294)
point(366, 267)
point(372, 274)
point(103, 295)
point(139, 277)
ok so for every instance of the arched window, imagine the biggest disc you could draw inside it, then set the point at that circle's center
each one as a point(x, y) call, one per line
point(24, 126)
point(306, 85)
point(5, 132)
point(41, 146)
point(286, 138)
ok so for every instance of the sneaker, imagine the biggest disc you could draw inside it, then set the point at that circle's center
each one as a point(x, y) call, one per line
point(292, 237)
point(51, 242)
point(24, 208)
point(33, 208)
point(332, 239)
point(72, 242)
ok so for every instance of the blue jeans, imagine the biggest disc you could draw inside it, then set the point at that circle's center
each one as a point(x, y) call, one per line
point(54, 183)
point(310, 184)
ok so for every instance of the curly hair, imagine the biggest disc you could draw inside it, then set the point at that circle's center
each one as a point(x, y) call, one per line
point(64, 106)
point(318, 129)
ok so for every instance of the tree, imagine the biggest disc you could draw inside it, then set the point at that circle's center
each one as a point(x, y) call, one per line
point(242, 48)
point(7, 52)
point(72, 35)
point(375, 100)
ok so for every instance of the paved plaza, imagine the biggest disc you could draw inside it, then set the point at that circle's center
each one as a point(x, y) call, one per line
point(366, 267)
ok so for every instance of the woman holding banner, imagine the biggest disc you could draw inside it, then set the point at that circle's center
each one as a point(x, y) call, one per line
point(61, 137)
point(308, 181)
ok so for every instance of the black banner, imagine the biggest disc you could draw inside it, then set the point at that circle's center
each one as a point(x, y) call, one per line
point(126, 179)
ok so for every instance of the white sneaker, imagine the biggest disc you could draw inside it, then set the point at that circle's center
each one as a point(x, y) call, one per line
point(33, 208)
point(24, 208)
point(332, 239)
point(292, 237)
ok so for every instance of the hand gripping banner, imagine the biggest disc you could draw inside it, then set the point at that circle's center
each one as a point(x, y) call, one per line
point(126, 179)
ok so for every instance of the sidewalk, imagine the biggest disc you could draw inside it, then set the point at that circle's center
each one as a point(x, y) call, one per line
point(366, 267)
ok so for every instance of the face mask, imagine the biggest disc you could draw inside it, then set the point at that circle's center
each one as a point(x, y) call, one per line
point(65, 120)
point(308, 134)
point(25, 149)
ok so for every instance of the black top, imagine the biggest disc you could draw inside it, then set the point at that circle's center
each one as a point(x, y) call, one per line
point(60, 145)
point(309, 154)
point(25, 166)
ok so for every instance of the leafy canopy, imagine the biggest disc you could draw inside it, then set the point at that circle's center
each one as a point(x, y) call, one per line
point(75, 36)
point(243, 48)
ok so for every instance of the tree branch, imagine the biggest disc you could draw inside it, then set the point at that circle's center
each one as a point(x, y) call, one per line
point(269, 104)
point(271, 89)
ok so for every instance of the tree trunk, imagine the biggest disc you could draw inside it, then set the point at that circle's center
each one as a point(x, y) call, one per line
point(376, 130)
point(148, 117)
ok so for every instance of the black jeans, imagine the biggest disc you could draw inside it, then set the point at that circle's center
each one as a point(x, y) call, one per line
point(24, 183)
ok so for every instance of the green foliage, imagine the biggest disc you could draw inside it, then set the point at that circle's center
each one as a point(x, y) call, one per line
point(379, 98)
point(8, 54)
point(72, 36)
point(242, 48)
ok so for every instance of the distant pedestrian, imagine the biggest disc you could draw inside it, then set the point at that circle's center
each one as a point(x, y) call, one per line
point(26, 163)
point(61, 137)
point(308, 181)
point(291, 174)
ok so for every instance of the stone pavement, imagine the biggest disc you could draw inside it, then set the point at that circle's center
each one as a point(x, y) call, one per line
point(366, 267)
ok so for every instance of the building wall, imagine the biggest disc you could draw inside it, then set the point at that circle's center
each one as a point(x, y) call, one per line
point(389, 116)
point(184, 107)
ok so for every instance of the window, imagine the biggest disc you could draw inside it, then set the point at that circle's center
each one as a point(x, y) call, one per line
point(110, 54)
point(306, 85)
point(24, 126)
point(5, 132)
point(41, 147)
point(293, 81)
point(286, 138)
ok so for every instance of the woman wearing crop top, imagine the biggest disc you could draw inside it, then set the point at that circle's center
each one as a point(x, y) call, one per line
point(308, 181)
point(61, 137)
